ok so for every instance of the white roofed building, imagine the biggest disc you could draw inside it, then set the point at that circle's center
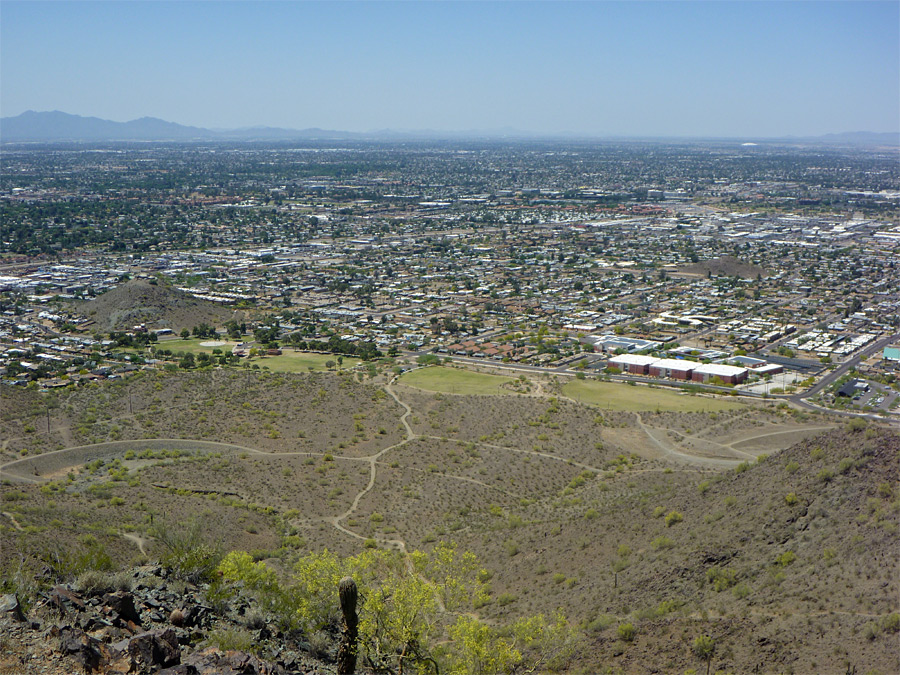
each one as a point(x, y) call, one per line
point(704, 372)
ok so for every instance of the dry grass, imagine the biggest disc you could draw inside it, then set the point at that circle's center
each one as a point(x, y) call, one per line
point(455, 381)
point(546, 492)
point(615, 396)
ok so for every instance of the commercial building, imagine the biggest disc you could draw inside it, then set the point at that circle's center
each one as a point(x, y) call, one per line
point(676, 369)
point(636, 364)
point(704, 372)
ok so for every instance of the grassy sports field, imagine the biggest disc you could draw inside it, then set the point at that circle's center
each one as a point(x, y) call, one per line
point(300, 362)
point(455, 381)
point(288, 362)
point(614, 396)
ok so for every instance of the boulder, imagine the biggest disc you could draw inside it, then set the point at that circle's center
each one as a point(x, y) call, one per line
point(64, 599)
point(146, 653)
point(214, 662)
point(121, 604)
point(90, 653)
point(10, 607)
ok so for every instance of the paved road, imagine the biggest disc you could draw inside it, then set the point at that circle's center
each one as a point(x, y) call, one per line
point(839, 372)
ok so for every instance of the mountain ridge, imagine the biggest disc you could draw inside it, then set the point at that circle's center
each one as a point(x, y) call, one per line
point(58, 126)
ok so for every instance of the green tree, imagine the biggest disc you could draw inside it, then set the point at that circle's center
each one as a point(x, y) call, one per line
point(417, 611)
point(704, 647)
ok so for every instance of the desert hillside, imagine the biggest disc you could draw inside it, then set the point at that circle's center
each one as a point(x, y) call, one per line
point(770, 531)
point(157, 306)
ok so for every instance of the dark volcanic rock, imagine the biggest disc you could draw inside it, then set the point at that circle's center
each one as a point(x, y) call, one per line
point(214, 662)
point(89, 652)
point(146, 652)
point(65, 600)
point(121, 603)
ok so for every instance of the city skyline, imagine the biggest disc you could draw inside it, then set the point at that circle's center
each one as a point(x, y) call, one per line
point(591, 69)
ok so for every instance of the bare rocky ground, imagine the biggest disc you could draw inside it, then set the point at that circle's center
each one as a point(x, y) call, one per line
point(270, 412)
point(143, 621)
point(788, 561)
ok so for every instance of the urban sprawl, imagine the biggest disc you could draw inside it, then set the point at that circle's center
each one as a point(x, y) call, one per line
point(758, 270)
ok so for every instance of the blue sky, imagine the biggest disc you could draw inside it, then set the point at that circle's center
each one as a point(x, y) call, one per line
point(748, 69)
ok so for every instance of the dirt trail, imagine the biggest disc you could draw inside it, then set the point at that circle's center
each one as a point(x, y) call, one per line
point(14, 521)
point(137, 539)
point(373, 465)
point(797, 430)
point(669, 451)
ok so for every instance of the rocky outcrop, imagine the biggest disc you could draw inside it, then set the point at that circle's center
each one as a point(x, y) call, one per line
point(158, 626)
point(214, 662)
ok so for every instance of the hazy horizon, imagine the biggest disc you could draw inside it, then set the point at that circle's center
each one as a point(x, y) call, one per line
point(644, 69)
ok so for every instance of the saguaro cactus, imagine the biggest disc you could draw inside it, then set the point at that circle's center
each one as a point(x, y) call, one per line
point(347, 651)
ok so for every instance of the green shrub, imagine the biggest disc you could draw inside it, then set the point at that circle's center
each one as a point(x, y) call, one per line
point(232, 639)
point(97, 581)
point(662, 543)
point(791, 499)
point(825, 475)
point(673, 518)
point(891, 623)
point(785, 558)
point(600, 622)
point(626, 632)
point(704, 647)
point(722, 578)
point(187, 554)
point(741, 591)
point(871, 630)
point(67, 564)
point(857, 424)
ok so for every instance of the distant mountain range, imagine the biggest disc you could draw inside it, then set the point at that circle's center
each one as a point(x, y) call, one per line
point(58, 126)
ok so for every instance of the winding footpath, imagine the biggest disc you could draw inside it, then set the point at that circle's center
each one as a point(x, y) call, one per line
point(40, 468)
point(373, 474)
